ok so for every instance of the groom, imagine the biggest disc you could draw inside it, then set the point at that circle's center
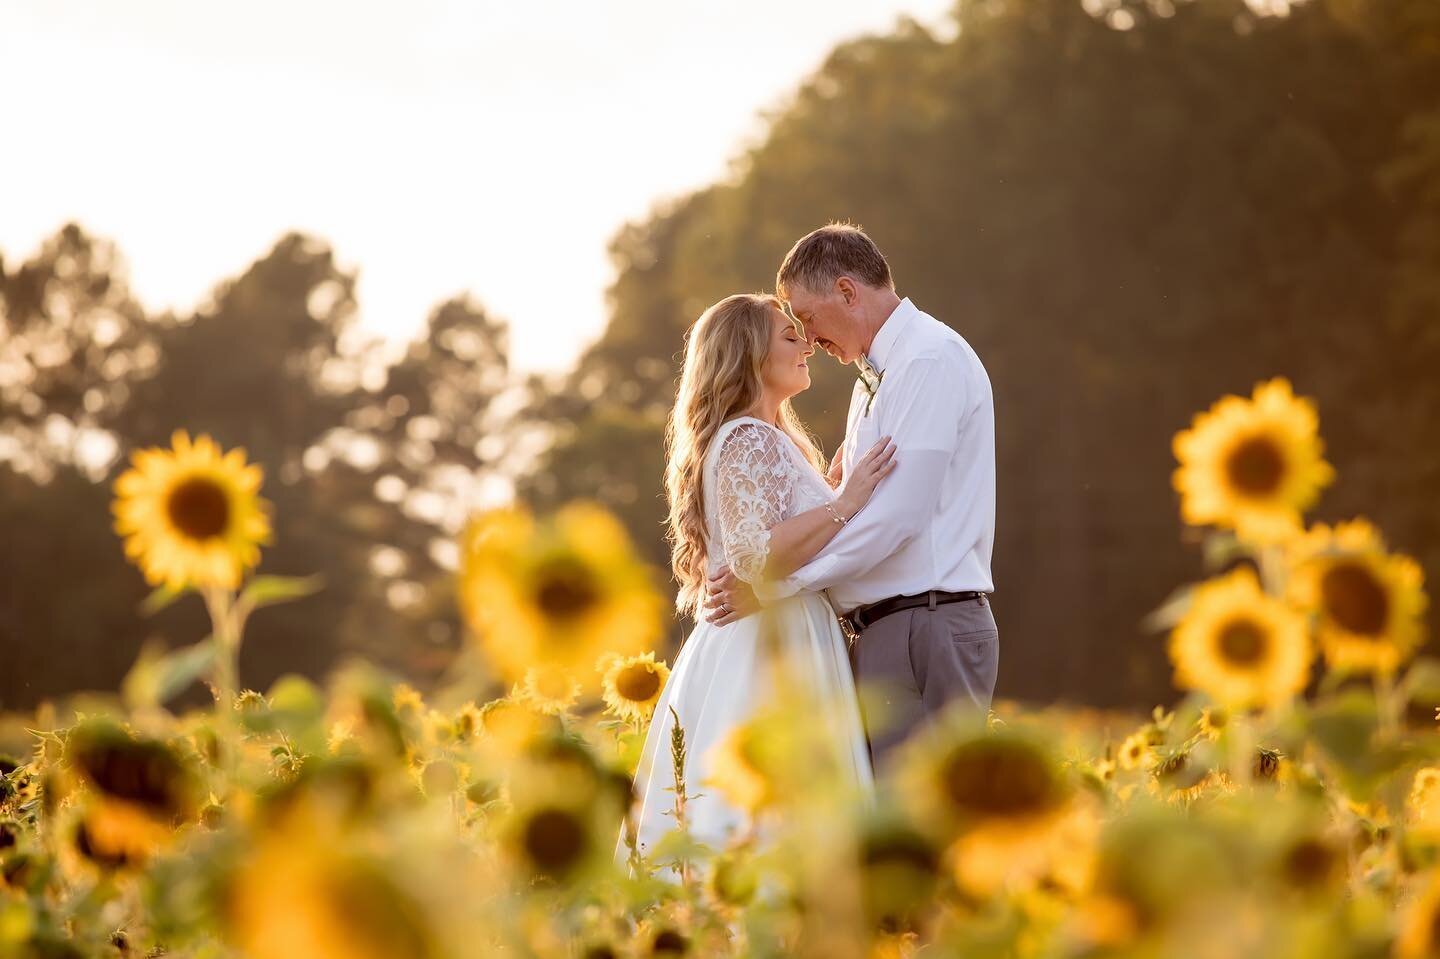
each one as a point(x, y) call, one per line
point(910, 573)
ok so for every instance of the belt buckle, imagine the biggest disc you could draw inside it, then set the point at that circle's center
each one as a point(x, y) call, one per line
point(848, 630)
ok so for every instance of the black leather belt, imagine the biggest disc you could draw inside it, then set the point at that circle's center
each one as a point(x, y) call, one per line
point(855, 621)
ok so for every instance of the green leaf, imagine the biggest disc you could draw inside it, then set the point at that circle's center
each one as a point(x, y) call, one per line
point(269, 590)
point(1224, 548)
point(678, 845)
point(1169, 613)
point(159, 676)
point(159, 599)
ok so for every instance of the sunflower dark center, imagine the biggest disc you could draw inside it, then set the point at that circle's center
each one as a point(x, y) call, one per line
point(670, 943)
point(992, 778)
point(555, 841)
point(1242, 642)
point(565, 589)
point(198, 508)
point(637, 683)
point(1255, 466)
point(142, 773)
point(1309, 862)
point(904, 850)
point(1354, 600)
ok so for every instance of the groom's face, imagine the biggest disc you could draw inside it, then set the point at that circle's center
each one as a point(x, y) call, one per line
point(829, 319)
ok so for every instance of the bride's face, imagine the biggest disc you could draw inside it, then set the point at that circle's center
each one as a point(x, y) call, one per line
point(785, 371)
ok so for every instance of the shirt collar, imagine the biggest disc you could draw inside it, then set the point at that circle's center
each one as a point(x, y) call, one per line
point(882, 349)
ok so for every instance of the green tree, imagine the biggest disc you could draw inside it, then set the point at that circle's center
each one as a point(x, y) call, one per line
point(1129, 208)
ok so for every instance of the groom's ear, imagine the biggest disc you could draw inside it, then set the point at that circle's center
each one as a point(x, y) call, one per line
point(847, 290)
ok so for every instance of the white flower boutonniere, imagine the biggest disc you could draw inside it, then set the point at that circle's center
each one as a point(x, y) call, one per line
point(870, 379)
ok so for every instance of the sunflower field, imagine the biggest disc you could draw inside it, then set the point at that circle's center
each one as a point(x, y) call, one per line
point(1288, 804)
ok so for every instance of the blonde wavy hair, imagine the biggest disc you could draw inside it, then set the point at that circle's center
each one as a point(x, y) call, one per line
point(725, 349)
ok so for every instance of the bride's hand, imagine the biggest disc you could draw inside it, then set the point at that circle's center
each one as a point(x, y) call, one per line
point(866, 475)
point(727, 598)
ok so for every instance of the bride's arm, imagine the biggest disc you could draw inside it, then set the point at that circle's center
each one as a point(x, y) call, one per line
point(754, 478)
point(799, 539)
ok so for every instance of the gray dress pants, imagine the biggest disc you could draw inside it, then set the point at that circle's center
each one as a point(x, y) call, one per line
point(913, 664)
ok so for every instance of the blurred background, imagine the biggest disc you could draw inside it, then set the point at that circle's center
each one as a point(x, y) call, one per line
point(422, 261)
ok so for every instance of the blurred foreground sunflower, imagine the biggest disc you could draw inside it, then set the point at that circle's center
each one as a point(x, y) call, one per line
point(298, 896)
point(998, 796)
point(548, 690)
point(1419, 932)
point(141, 791)
point(631, 686)
point(740, 769)
point(191, 515)
point(558, 593)
point(1369, 603)
point(1252, 465)
point(1239, 646)
point(899, 873)
point(959, 777)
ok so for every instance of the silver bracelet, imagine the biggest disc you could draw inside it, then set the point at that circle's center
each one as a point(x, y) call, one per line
point(839, 520)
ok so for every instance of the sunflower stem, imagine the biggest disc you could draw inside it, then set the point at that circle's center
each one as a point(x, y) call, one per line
point(226, 620)
point(1242, 749)
point(1386, 711)
point(1272, 569)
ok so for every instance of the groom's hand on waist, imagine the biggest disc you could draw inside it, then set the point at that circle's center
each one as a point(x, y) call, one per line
point(728, 598)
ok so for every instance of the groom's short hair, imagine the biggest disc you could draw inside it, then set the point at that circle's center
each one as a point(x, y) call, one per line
point(823, 256)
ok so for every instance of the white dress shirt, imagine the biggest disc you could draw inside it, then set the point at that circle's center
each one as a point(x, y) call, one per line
point(931, 523)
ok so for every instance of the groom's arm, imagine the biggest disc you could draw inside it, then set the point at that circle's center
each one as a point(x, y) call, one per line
point(923, 413)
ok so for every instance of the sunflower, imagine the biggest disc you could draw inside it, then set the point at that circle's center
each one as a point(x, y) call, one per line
point(557, 593)
point(565, 808)
point(1239, 646)
point(1419, 932)
point(734, 878)
point(142, 792)
point(303, 895)
point(739, 770)
point(1135, 751)
point(114, 835)
point(553, 840)
point(1004, 784)
point(1252, 465)
point(1212, 722)
point(190, 514)
point(1422, 806)
point(899, 873)
point(1369, 603)
point(631, 687)
point(549, 690)
point(1310, 862)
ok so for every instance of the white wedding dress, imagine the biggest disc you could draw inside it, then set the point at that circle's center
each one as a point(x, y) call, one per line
point(754, 477)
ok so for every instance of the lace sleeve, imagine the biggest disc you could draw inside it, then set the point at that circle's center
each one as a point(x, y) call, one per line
point(753, 483)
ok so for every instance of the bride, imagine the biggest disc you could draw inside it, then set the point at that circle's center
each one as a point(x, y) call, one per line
point(746, 489)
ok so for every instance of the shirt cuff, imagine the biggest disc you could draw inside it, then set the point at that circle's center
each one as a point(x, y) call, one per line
point(774, 590)
point(813, 574)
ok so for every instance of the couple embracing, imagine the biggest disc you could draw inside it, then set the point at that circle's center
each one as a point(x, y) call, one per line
point(873, 571)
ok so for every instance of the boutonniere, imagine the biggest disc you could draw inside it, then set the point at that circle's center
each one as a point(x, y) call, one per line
point(870, 379)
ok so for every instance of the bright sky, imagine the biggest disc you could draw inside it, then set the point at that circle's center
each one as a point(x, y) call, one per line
point(440, 147)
